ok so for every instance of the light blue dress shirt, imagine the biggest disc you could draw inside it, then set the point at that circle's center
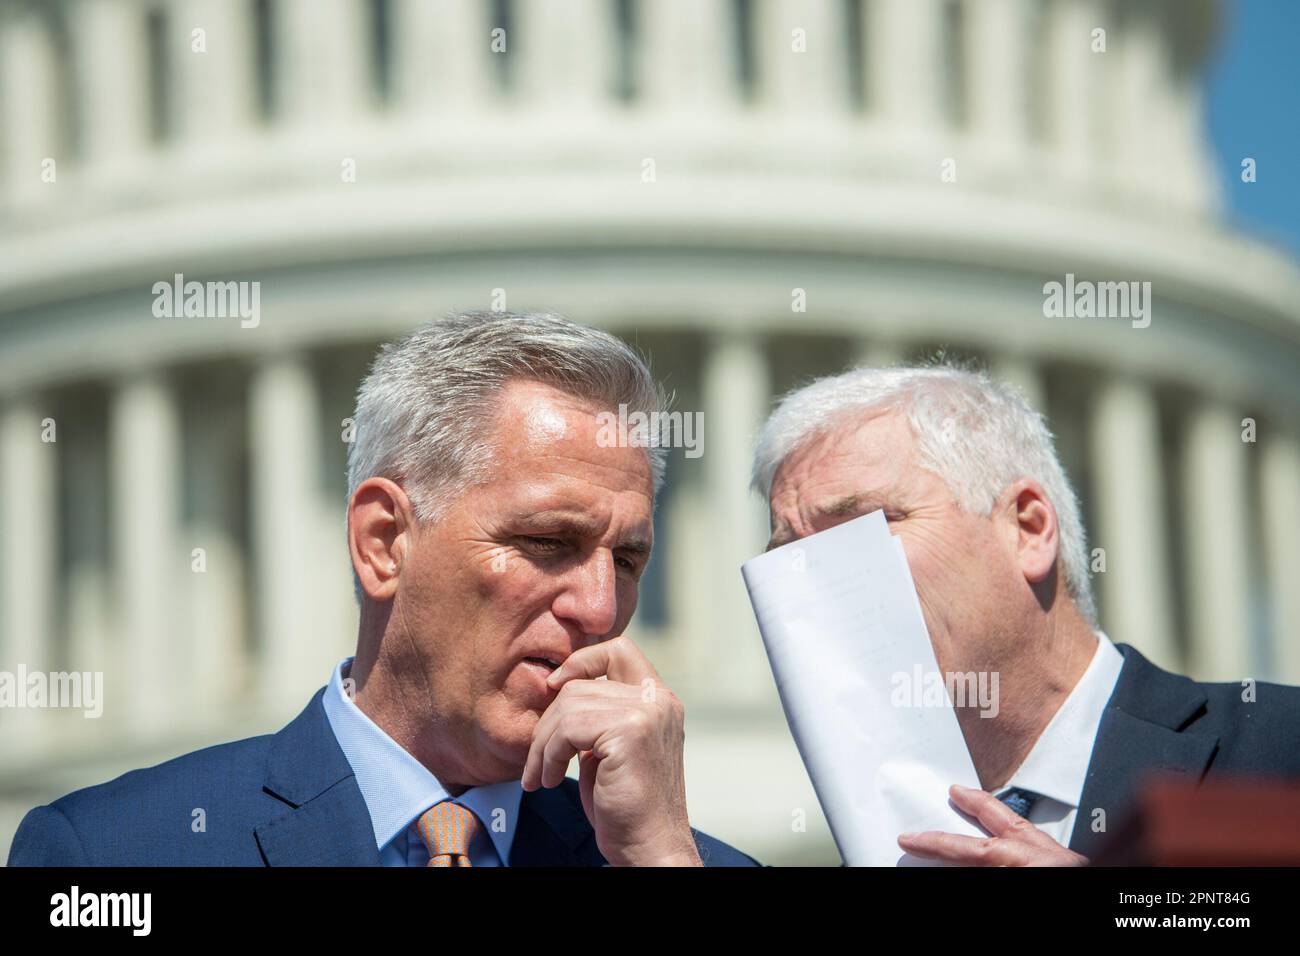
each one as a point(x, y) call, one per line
point(398, 788)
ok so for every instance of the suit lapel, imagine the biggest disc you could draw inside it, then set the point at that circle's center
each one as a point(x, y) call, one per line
point(327, 823)
point(1146, 729)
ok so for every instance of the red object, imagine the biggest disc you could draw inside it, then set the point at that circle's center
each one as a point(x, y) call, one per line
point(1240, 822)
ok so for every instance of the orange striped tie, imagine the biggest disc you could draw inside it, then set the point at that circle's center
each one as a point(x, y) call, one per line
point(447, 829)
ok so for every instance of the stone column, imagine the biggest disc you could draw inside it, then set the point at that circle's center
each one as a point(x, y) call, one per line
point(1280, 497)
point(566, 51)
point(215, 96)
point(145, 476)
point(810, 78)
point(29, 108)
point(999, 111)
point(736, 394)
point(111, 73)
point(284, 421)
point(217, 665)
point(320, 60)
point(1076, 82)
point(30, 537)
point(441, 54)
point(1131, 492)
point(684, 65)
point(1218, 581)
point(904, 62)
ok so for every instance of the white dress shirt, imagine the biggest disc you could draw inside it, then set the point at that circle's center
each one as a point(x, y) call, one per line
point(1057, 766)
point(397, 788)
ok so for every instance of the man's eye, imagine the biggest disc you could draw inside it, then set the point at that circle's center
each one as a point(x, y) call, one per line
point(543, 545)
point(625, 562)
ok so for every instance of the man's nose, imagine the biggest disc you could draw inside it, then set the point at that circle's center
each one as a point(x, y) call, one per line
point(590, 597)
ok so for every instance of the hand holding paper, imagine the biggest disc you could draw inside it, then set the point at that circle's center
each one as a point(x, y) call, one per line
point(842, 626)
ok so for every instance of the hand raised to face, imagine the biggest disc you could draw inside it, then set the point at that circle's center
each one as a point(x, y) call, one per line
point(627, 731)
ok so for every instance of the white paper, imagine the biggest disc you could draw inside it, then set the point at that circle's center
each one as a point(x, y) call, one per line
point(842, 625)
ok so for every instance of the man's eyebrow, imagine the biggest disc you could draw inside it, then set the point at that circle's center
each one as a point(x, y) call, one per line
point(579, 525)
point(848, 505)
point(561, 520)
point(845, 507)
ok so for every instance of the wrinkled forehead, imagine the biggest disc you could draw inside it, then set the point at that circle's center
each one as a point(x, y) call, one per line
point(867, 453)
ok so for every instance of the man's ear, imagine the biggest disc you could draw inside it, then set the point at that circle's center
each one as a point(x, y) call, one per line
point(1038, 537)
point(380, 520)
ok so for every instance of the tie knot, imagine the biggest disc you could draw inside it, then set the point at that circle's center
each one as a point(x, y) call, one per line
point(1021, 801)
point(447, 829)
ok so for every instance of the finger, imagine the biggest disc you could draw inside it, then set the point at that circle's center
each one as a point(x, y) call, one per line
point(575, 694)
point(963, 850)
point(992, 814)
point(578, 731)
point(618, 659)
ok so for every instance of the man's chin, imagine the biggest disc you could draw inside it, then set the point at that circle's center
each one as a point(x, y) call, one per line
point(509, 745)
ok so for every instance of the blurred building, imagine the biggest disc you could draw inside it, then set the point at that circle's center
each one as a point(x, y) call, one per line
point(752, 192)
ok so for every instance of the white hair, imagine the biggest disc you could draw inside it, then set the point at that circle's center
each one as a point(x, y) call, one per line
point(977, 434)
point(425, 409)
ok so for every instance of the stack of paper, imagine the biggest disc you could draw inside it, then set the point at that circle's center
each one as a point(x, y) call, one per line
point(843, 629)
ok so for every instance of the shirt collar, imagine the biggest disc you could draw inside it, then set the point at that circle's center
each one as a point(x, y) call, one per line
point(397, 788)
point(1057, 765)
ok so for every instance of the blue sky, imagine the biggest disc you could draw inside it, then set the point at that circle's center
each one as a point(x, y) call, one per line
point(1253, 106)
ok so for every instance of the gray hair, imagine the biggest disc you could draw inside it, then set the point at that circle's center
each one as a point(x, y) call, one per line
point(425, 407)
point(977, 434)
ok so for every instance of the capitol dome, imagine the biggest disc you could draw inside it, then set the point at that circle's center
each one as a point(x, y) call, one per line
point(753, 193)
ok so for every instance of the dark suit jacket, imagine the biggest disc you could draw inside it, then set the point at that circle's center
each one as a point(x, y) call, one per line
point(1160, 722)
point(284, 799)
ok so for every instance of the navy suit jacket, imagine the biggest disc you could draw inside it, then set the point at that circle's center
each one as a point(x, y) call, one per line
point(1156, 721)
point(284, 799)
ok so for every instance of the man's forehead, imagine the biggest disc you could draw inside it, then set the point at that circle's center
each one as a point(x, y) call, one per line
point(555, 473)
point(868, 450)
point(553, 429)
point(543, 415)
point(545, 422)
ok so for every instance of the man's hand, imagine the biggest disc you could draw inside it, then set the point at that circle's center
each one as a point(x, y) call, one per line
point(1014, 841)
point(628, 732)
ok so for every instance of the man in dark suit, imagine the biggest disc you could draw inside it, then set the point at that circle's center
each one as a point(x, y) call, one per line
point(498, 529)
point(969, 481)
point(1158, 722)
point(283, 799)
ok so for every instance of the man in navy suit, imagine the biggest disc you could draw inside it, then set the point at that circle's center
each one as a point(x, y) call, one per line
point(968, 479)
point(498, 528)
